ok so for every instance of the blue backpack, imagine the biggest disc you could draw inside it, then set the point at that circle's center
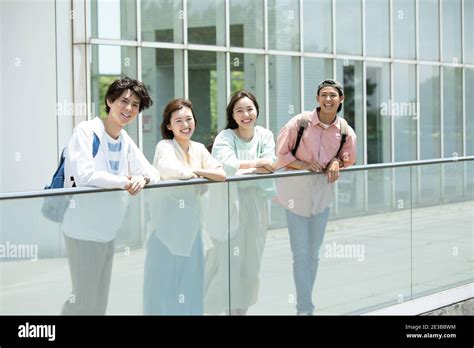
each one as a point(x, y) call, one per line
point(54, 207)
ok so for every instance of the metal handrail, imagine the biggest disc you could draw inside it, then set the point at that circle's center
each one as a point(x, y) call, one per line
point(278, 174)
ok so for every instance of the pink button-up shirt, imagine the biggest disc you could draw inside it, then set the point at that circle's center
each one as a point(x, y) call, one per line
point(310, 195)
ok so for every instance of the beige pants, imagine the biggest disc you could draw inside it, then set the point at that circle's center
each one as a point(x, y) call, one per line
point(90, 264)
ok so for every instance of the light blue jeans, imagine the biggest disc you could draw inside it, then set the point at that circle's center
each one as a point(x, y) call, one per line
point(306, 237)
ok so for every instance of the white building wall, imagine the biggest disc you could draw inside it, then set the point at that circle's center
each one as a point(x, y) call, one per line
point(29, 72)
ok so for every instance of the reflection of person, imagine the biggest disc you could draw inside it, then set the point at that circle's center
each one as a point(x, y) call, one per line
point(242, 148)
point(174, 264)
point(90, 227)
point(307, 199)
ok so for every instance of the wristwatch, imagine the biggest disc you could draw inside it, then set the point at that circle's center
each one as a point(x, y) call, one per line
point(147, 178)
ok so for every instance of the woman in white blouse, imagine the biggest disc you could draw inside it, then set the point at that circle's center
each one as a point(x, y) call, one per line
point(174, 264)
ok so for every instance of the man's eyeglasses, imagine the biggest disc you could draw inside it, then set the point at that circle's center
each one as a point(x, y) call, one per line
point(332, 95)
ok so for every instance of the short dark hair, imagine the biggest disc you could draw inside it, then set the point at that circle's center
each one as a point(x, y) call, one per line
point(117, 87)
point(172, 106)
point(334, 84)
point(230, 107)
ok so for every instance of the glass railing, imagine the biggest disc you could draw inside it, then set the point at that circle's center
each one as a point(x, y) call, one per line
point(395, 232)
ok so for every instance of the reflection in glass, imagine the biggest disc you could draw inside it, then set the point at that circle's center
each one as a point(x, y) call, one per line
point(90, 227)
point(174, 263)
point(404, 30)
point(377, 21)
point(429, 29)
point(379, 189)
point(248, 206)
point(349, 27)
point(317, 33)
point(162, 20)
point(108, 64)
point(349, 74)
point(307, 203)
point(206, 22)
point(378, 112)
point(452, 112)
point(283, 25)
point(162, 73)
point(284, 90)
point(405, 112)
point(206, 71)
point(315, 70)
point(247, 71)
point(113, 19)
point(440, 262)
point(430, 112)
point(350, 194)
point(246, 23)
point(452, 31)
point(469, 83)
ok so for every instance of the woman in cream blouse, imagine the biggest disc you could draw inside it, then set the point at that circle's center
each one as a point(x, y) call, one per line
point(174, 264)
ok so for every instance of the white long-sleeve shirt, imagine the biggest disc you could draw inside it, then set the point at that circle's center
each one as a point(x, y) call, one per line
point(98, 216)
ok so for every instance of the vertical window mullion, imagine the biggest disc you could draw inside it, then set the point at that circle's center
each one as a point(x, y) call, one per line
point(267, 93)
point(334, 51)
point(364, 111)
point(363, 29)
point(185, 53)
point(392, 120)
point(227, 45)
point(139, 67)
point(390, 10)
point(417, 78)
point(464, 144)
point(301, 56)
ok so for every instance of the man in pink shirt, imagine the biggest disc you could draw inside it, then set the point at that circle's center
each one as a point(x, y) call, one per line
point(307, 198)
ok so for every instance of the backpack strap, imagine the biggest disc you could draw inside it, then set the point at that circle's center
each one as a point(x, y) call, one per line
point(95, 145)
point(95, 149)
point(344, 129)
point(302, 125)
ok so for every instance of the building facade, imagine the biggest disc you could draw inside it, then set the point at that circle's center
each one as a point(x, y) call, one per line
point(407, 67)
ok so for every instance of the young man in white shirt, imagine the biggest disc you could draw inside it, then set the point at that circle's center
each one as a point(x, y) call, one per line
point(90, 225)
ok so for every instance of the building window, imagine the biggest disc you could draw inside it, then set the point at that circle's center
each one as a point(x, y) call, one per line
point(162, 20)
point(317, 26)
point(162, 73)
point(403, 18)
point(114, 19)
point(349, 27)
point(284, 25)
point(430, 112)
point(404, 110)
point(429, 29)
point(452, 112)
point(246, 23)
point(206, 22)
point(377, 28)
point(283, 90)
point(378, 105)
point(206, 74)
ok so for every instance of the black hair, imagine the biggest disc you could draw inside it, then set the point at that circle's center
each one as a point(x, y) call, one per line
point(117, 87)
point(230, 107)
